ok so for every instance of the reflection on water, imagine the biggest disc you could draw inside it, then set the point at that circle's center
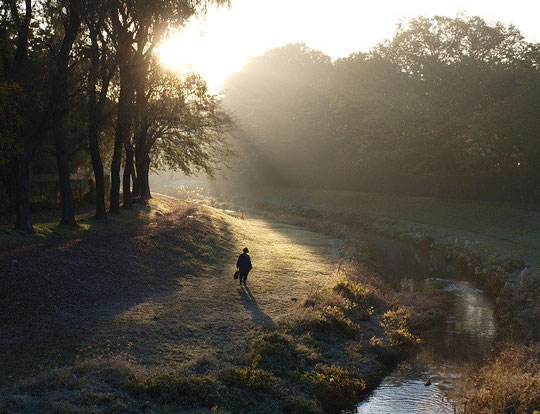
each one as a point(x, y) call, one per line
point(451, 350)
point(403, 392)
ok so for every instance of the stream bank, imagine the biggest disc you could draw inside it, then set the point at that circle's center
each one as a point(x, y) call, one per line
point(430, 381)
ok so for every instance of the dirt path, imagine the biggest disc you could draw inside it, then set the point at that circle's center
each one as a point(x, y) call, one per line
point(209, 317)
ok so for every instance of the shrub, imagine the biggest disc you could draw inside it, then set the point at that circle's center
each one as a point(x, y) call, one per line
point(361, 299)
point(396, 326)
point(385, 354)
point(355, 292)
point(301, 405)
point(251, 379)
point(191, 391)
point(325, 324)
point(519, 309)
point(334, 387)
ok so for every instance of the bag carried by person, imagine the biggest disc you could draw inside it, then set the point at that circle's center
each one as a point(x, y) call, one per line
point(236, 275)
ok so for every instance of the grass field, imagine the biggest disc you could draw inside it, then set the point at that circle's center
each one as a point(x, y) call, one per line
point(491, 229)
point(498, 242)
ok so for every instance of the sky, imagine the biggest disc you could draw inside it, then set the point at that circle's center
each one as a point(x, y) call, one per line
point(221, 42)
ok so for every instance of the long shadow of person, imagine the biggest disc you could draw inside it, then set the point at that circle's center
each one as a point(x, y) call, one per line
point(250, 303)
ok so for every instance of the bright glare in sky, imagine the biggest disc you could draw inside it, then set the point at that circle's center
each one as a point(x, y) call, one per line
point(220, 43)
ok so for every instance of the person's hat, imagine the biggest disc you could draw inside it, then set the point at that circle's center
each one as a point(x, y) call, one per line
point(246, 250)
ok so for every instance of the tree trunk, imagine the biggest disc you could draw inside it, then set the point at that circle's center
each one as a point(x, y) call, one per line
point(62, 163)
point(97, 165)
point(23, 219)
point(141, 132)
point(128, 168)
point(114, 203)
point(93, 135)
point(143, 174)
point(59, 98)
point(15, 72)
point(134, 181)
point(123, 126)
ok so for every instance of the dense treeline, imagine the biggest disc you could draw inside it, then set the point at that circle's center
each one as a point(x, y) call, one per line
point(446, 103)
point(80, 85)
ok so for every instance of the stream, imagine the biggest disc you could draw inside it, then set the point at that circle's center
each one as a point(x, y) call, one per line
point(426, 382)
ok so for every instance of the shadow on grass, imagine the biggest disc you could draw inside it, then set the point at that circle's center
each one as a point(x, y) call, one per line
point(251, 305)
point(48, 228)
point(54, 293)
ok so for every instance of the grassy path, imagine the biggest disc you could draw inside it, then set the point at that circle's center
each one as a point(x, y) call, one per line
point(210, 317)
point(160, 291)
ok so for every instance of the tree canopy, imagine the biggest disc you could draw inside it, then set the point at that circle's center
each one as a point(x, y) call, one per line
point(444, 96)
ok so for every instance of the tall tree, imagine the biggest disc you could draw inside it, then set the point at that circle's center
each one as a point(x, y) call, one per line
point(46, 50)
point(443, 97)
point(71, 16)
point(460, 67)
point(139, 28)
point(124, 26)
point(102, 67)
point(15, 33)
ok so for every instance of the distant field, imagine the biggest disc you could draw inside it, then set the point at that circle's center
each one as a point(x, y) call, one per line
point(492, 229)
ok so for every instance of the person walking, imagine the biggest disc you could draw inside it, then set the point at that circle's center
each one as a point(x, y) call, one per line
point(243, 264)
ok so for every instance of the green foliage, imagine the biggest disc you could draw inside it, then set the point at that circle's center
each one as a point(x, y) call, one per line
point(471, 75)
point(10, 120)
point(297, 404)
point(326, 323)
point(355, 292)
point(186, 126)
point(361, 298)
point(423, 45)
point(277, 99)
point(250, 378)
point(56, 48)
point(444, 96)
point(190, 391)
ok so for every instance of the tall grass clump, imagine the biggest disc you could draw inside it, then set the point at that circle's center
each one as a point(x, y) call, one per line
point(508, 383)
point(281, 353)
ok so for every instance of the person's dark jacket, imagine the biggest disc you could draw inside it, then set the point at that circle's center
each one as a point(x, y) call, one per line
point(244, 263)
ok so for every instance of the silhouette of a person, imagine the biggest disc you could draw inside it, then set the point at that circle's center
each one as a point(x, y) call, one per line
point(243, 264)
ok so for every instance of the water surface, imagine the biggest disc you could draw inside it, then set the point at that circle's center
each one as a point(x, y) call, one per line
point(427, 383)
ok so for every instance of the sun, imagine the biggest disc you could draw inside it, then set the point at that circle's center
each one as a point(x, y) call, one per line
point(186, 52)
point(195, 48)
